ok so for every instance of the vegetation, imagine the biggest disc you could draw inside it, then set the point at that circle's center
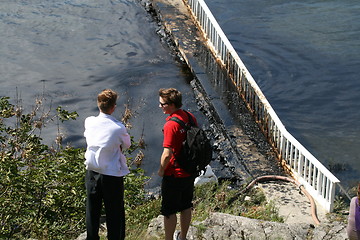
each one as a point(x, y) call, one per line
point(223, 198)
point(42, 193)
point(208, 198)
point(41, 186)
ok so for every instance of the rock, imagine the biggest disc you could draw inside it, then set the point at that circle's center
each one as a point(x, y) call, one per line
point(102, 229)
point(81, 237)
point(225, 226)
point(156, 228)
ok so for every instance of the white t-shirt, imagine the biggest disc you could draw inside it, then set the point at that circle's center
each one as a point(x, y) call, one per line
point(106, 137)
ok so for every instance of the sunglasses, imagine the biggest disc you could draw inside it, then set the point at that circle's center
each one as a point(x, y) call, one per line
point(163, 104)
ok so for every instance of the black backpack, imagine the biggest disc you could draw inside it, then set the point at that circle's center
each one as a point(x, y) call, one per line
point(196, 151)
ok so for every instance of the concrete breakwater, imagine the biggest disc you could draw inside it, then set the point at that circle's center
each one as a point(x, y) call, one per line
point(242, 137)
point(240, 145)
point(242, 151)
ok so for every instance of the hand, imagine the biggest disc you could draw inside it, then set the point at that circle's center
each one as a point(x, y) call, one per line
point(161, 172)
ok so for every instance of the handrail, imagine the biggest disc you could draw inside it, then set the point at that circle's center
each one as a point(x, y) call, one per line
point(304, 167)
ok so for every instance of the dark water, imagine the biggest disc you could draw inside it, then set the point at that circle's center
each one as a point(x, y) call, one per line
point(71, 50)
point(305, 56)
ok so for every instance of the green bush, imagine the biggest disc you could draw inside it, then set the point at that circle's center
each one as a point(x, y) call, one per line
point(42, 187)
point(42, 190)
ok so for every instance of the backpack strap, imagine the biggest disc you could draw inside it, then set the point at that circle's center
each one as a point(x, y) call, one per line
point(182, 123)
point(191, 120)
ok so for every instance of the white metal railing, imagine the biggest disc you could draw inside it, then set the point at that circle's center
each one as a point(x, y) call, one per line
point(305, 168)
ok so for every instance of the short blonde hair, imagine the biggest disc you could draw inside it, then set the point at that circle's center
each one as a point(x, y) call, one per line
point(106, 100)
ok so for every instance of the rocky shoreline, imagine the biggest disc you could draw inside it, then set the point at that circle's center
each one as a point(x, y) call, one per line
point(224, 226)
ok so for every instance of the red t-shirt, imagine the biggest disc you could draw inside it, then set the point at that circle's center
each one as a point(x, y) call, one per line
point(174, 135)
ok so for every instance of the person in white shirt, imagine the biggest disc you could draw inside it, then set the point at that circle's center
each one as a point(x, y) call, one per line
point(106, 138)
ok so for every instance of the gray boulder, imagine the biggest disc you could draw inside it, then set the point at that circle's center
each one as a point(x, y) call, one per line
point(225, 226)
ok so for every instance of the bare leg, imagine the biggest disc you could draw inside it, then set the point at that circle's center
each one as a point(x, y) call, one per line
point(185, 219)
point(170, 225)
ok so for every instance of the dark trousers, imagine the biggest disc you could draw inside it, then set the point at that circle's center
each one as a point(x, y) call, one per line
point(109, 189)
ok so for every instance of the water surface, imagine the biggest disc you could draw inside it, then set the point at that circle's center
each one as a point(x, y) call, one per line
point(69, 51)
point(305, 57)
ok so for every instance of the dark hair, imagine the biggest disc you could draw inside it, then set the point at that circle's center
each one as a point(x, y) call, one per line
point(106, 100)
point(171, 95)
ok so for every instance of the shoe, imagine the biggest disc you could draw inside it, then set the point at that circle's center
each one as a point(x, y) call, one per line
point(177, 235)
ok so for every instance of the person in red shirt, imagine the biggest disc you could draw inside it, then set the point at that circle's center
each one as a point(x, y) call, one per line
point(177, 185)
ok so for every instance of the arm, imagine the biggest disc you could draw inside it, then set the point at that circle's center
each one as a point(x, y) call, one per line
point(164, 160)
point(126, 141)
